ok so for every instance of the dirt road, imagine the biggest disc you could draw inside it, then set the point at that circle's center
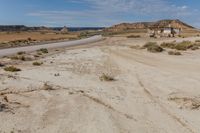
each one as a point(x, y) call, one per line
point(10, 51)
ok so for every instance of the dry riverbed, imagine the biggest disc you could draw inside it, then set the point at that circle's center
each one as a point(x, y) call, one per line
point(108, 88)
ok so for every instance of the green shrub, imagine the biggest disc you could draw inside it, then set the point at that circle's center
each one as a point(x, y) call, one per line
point(12, 69)
point(168, 45)
point(149, 44)
point(184, 45)
point(22, 58)
point(153, 47)
point(133, 36)
point(194, 47)
point(179, 46)
point(37, 63)
point(174, 53)
point(21, 53)
point(43, 50)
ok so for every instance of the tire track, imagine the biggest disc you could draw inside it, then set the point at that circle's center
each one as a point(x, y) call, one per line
point(148, 93)
point(164, 109)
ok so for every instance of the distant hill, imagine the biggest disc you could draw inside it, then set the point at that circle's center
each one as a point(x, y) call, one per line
point(146, 25)
point(9, 28)
point(17, 28)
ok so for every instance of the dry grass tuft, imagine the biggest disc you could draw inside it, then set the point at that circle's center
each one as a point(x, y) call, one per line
point(133, 36)
point(12, 69)
point(106, 77)
point(174, 53)
point(21, 53)
point(135, 47)
point(2, 65)
point(43, 50)
point(37, 63)
point(153, 47)
point(46, 86)
point(185, 45)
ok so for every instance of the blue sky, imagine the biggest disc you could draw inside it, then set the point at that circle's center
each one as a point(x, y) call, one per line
point(96, 12)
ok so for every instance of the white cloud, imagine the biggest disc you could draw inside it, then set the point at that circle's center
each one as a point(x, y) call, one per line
point(107, 12)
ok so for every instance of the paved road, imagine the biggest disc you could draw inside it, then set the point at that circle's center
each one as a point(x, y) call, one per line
point(10, 51)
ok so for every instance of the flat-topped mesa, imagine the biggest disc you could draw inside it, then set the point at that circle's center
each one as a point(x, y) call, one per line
point(150, 25)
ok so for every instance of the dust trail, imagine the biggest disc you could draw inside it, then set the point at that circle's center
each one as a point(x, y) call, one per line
point(174, 117)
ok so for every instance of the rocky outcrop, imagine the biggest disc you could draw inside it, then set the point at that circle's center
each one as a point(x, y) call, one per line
point(64, 30)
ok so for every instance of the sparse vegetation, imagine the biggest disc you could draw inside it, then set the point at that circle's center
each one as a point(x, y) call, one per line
point(170, 45)
point(106, 77)
point(37, 63)
point(135, 47)
point(153, 47)
point(2, 65)
point(185, 45)
point(133, 36)
point(20, 57)
point(21, 53)
point(47, 87)
point(3, 107)
point(197, 41)
point(194, 47)
point(12, 69)
point(174, 53)
point(43, 50)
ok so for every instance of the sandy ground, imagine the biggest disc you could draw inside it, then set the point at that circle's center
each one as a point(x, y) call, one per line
point(152, 93)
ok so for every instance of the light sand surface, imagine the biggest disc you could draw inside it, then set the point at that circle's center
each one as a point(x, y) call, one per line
point(152, 92)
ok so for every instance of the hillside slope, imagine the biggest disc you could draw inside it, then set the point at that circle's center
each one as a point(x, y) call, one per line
point(145, 25)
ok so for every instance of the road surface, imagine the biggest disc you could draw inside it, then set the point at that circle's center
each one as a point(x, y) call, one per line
point(11, 51)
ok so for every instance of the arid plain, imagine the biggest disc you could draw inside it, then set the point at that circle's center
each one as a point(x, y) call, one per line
point(111, 86)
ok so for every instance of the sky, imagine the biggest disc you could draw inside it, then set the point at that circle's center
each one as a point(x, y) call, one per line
point(96, 13)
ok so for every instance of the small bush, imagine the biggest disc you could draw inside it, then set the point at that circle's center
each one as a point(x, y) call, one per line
point(149, 44)
point(2, 65)
point(153, 47)
point(194, 47)
point(106, 77)
point(134, 36)
point(14, 58)
point(36, 56)
point(197, 41)
point(184, 45)
point(168, 45)
point(174, 53)
point(21, 53)
point(12, 69)
point(22, 58)
point(43, 50)
point(47, 87)
point(135, 47)
point(37, 63)
point(29, 39)
point(178, 46)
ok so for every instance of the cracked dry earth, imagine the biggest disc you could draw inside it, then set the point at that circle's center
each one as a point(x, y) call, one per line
point(151, 93)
